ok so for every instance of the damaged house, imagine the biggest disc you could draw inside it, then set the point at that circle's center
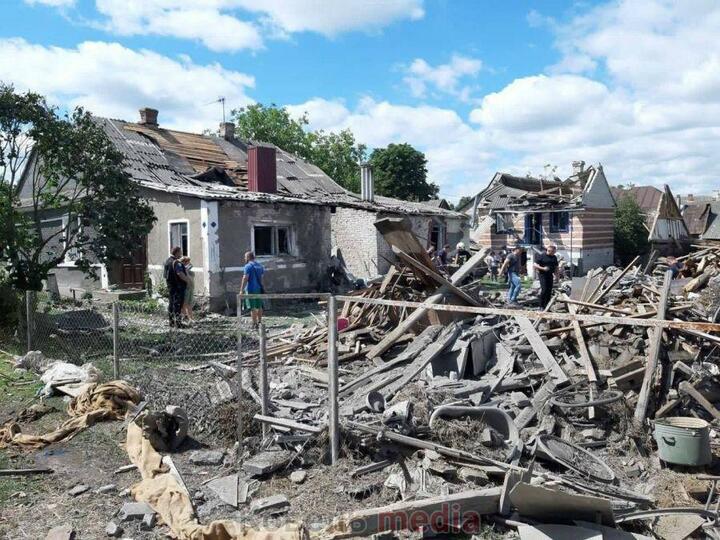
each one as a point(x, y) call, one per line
point(701, 215)
point(667, 231)
point(218, 197)
point(575, 214)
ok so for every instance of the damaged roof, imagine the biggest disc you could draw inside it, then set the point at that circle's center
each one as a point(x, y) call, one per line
point(508, 192)
point(647, 197)
point(211, 167)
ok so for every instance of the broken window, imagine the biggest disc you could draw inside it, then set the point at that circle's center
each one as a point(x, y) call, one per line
point(503, 223)
point(179, 235)
point(559, 222)
point(271, 240)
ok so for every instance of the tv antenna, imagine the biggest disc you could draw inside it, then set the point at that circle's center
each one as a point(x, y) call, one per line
point(220, 100)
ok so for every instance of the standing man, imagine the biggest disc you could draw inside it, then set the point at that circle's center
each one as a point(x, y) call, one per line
point(252, 284)
point(512, 265)
point(176, 281)
point(547, 267)
point(461, 254)
point(491, 263)
point(443, 257)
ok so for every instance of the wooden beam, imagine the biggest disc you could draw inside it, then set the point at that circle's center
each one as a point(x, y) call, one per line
point(542, 352)
point(417, 265)
point(290, 424)
point(593, 306)
point(614, 282)
point(654, 354)
point(634, 320)
point(422, 308)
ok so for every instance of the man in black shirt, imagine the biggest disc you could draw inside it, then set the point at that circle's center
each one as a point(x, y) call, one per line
point(546, 266)
point(176, 280)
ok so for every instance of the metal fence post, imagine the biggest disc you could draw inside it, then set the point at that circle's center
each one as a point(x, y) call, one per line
point(239, 368)
point(332, 360)
point(116, 339)
point(28, 320)
point(264, 389)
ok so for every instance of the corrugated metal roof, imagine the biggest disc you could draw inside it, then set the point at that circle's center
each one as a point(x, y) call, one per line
point(713, 229)
point(211, 167)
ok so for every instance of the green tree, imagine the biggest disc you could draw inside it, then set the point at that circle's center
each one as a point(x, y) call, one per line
point(61, 167)
point(273, 124)
point(337, 154)
point(631, 235)
point(400, 171)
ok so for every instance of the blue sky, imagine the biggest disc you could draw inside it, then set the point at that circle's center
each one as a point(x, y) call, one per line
point(478, 85)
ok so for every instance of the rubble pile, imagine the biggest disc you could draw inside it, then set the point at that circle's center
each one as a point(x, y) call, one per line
point(550, 420)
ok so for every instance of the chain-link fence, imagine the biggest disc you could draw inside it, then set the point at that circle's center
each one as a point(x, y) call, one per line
point(85, 329)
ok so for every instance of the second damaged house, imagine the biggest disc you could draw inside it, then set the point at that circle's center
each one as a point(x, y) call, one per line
point(667, 231)
point(217, 197)
point(575, 214)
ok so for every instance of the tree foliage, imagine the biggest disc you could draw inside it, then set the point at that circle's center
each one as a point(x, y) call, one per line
point(337, 154)
point(64, 168)
point(631, 235)
point(465, 199)
point(400, 171)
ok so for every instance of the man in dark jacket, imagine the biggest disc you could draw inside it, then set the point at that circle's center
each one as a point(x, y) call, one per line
point(176, 280)
point(546, 265)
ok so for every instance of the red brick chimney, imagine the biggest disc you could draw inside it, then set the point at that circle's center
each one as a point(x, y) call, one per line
point(262, 169)
point(148, 117)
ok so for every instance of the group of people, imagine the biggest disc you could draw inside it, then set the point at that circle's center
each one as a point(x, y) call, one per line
point(546, 265)
point(443, 259)
point(181, 287)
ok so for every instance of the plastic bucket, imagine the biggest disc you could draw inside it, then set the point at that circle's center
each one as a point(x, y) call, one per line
point(683, 440)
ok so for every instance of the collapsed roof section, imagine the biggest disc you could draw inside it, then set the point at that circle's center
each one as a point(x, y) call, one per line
point(508, 193)
point(216, 168)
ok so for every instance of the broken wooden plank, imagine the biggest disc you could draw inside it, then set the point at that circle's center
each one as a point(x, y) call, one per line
point(614, 282)
point(422, 309)
point(653, 355)
point(543, 353)
point(290, 424)
point(434, 276)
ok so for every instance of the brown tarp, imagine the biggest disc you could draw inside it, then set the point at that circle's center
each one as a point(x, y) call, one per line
point(99, 403)
point(160, 489)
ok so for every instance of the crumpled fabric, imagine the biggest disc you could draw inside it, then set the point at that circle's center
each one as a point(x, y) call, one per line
point(169, 499)
point(101, 402)
point(64, 371)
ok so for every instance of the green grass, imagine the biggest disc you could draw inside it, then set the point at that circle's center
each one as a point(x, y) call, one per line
point(16, 387)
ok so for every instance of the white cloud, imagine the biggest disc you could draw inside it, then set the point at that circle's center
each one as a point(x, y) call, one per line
point(444, 78)
point(52, 3)
point(331, 17)
point(111, 80)
point(193, 19)
point(231, 25)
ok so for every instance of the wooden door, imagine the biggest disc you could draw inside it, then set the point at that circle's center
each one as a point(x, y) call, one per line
point(133, 268)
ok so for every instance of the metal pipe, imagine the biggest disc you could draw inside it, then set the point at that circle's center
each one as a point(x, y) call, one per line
point(239, 376)
point(264, 389)
point(332, 362)
point(116, 340)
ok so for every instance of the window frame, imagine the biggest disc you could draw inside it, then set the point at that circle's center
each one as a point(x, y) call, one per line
point(172, 222)
point(502, 216)
point(554, 228)
point(274, 239)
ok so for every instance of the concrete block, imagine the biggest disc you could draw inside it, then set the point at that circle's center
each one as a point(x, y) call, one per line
point(267, 462)
point(275, 504)
point(134, 510)
point(207, 457)
point(78, 490)
point(148, 522)
point(106, 488)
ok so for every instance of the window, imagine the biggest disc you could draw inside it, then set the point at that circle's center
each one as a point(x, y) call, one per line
point(559, 222)
point(271, 240)
point(503, 223)
point(178, 233)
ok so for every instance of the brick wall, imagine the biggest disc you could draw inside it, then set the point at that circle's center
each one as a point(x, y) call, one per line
point(353, 231)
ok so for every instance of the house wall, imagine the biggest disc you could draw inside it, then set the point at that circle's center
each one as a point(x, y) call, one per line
point(303, 271)
point(353, 232)
point(169, 207)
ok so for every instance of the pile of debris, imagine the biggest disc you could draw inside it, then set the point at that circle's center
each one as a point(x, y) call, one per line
point(527, 420)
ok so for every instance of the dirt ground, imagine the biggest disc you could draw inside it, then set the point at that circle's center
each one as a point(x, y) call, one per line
point(31, 505)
